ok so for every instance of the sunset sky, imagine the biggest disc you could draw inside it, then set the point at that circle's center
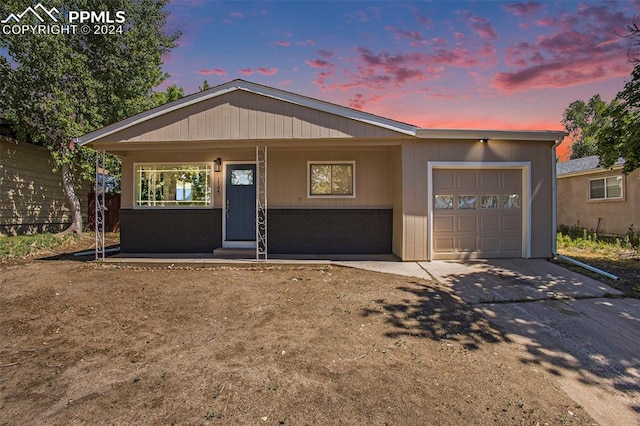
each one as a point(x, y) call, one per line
point(442, 64)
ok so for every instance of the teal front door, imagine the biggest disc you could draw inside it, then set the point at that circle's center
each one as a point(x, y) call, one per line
point(240, 203)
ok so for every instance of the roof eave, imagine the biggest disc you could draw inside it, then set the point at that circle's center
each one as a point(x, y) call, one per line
point(615, 168)
point(477, 134)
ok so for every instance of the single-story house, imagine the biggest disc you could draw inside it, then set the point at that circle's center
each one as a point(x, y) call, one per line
point(246, 165)
point(32, 198)
point(598, 199)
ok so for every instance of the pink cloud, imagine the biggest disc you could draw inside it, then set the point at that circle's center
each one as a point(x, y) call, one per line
point(413, 36)
point(358, 101)
point(326, 68)
point(319, 63)
point(215, 71)
point(522, 9)
point(268, 71)
point(246, 71)
point(283, 43)
point(237, 14)
point(482, 27)
point(306, 43)
point(425, 21)
point(582, 48)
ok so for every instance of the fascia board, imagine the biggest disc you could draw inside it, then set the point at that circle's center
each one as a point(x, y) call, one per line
point(513, 135)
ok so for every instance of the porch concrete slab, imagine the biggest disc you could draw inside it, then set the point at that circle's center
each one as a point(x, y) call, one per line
point(500, 280)
point(396, 267)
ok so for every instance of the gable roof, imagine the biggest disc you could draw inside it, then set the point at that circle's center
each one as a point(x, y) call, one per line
point(582, 165)
point(246, 86)
point(322, 106)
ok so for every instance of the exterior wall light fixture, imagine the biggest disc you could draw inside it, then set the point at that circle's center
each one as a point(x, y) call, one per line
point(217, 165)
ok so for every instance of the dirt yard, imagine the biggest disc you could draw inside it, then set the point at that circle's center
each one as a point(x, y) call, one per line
point(83, 343)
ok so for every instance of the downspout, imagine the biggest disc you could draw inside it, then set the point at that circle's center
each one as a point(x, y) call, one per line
point(554, 220)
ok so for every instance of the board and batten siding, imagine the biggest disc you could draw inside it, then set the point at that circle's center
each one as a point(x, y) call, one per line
point(416, 155)
point(246, 116)
point(287, 175)
point(33, 199)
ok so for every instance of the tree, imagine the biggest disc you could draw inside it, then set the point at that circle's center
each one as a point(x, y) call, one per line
point(582, 121)
point(619, 137)
point(205, 86)
point(56, 87)
point(172, 93)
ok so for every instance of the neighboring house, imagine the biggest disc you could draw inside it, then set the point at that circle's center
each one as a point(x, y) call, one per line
point(338, 180)
point(31, 196)
point(597, 199)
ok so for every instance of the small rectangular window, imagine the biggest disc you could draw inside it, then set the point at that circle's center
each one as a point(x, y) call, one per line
point(605, 188)
point(443, 202)
point(489, 202)
point(466, 202)
point(169, 185)
point(242, 177)
point(335, 180)
point(511, 201)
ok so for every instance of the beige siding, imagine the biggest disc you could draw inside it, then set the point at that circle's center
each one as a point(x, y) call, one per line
point(616, 216)
point(415, 156)
point(288, 178)
point(32, 196)
point(287, 175)
point(240, 116)
point(398, 224)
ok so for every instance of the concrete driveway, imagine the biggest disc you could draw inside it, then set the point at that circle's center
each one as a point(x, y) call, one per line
point(566, 323)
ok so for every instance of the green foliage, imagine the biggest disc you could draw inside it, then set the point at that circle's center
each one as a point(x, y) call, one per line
point(205, 86)
point(582, 121)
point(20, 246)
point(580, 238)
point(173, 93)
point(56, 87)
point(619, 136)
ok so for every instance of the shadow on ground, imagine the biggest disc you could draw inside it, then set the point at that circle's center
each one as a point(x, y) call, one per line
point(436, 315)
point(568, 324)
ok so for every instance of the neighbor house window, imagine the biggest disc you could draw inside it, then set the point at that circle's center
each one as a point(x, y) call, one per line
point(332, 179)
point(605, 188)
point(170, 185)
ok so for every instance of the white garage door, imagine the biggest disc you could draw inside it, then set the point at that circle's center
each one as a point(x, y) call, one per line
point(477, 213)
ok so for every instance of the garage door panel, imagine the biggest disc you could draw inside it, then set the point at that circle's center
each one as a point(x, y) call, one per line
point(489, 179)
point(444, 223)
point(467, 243)
point(466, 179)
point(444, 180)
point(511, 223)
point(444, 244)
point(489, 244)
point(485, 228)
point(489, 223)
point(511, 243)
point(511, 181)
point(467, 224)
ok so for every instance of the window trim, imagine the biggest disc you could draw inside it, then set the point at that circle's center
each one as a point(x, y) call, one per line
point(606, 197)
point(134, 194)
point(331, 163)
